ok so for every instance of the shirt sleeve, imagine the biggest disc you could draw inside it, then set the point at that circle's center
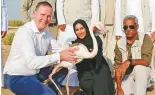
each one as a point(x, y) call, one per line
point(95, 11)
point(4, 16)
point(28, 50)
point(54, 46)
point(60, 11)
point(118, 57)
point(26, 4)
point(146, 49)
point(118, 28)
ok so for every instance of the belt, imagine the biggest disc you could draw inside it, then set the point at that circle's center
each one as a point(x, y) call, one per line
point(109, 24)
point(52, 24)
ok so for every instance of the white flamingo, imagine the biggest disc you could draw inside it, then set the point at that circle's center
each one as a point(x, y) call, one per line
point(81, 53)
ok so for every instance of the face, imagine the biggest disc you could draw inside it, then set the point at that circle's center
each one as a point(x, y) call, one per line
point(80, 31)
point(42, 17)
point(130, 28)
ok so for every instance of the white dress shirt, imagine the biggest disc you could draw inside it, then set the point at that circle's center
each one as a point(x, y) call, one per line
point(28, 51)
point(132, 9)
point(4, 16)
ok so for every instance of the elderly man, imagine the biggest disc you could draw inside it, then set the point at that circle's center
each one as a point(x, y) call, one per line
point(28, 54)
point(28, 7)
point(133, 55)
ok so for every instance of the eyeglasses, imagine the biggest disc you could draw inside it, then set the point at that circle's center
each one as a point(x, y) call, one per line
point(125, 27)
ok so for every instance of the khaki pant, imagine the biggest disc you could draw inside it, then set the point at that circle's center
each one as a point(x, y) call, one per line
point(53, 30)
point(109, 43)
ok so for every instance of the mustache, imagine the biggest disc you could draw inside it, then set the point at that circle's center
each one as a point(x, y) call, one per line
point(130, 31)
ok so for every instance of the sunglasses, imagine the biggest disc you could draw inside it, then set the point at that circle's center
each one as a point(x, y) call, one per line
point(125, 27)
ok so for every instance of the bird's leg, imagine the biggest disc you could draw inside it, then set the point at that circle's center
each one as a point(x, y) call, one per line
point(55, 85)
point(50, 77)
point(56, 69)
point(47, 81)
point(67, 83)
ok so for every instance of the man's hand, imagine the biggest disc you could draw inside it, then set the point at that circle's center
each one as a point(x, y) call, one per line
point(118, 77)
point(118, 81)
point(68, 55)
point(3, 34)
point(118, 37)
point(94, 28)
point(120, 91)
point(153, 36)
point(62, 27)
point(123, 67)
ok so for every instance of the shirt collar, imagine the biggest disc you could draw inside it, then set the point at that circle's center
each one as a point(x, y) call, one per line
point(136, 38)
point(34, 28)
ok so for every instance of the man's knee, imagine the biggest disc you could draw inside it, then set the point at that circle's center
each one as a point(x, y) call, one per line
point(141, 71)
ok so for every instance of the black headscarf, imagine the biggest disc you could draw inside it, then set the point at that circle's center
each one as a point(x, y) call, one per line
point(87, 41)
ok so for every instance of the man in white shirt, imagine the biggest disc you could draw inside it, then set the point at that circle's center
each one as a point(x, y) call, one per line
point(28, 7)
point(28, 54)
point(4, 29)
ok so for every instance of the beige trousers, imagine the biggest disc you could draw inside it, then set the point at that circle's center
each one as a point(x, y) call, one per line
point(109, 43)
point(54, 31)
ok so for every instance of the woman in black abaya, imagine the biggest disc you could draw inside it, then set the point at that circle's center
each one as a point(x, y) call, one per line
point(94, 74)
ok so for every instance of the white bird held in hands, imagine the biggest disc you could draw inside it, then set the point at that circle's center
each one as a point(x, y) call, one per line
point(81, 53)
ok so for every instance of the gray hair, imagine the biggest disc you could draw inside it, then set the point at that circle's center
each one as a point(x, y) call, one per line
point(131, 17)
point(44, 3)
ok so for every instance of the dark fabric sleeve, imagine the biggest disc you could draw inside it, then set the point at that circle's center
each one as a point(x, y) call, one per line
point(99, 42)
point(146, 49)
point(118, 57)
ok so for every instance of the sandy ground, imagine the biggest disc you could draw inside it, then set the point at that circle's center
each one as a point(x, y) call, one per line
point(5, 52)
